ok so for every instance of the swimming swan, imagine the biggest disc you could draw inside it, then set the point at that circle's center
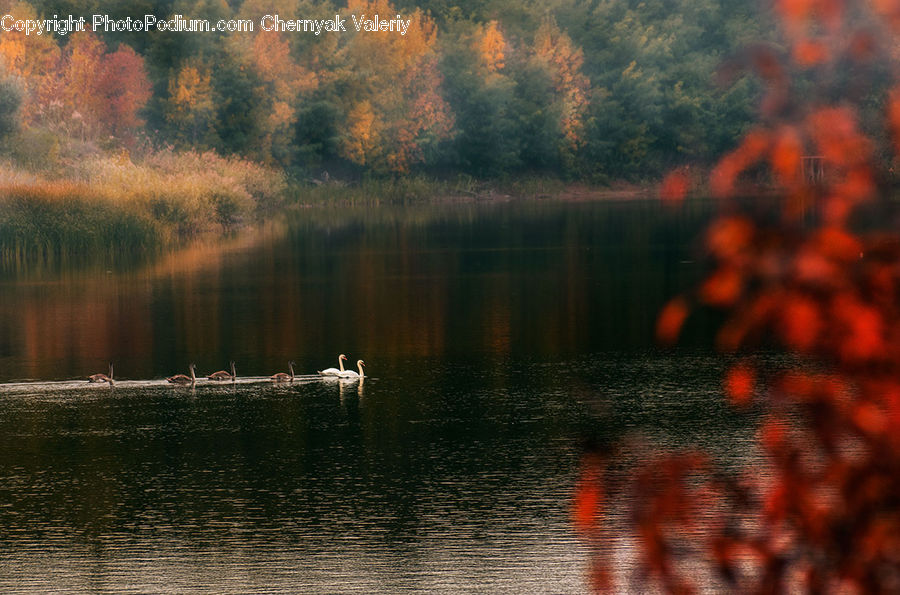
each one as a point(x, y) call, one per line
point(103, 377)
point(334, 371)
point(353, 375)
point(282, 377)
point(223, 375)
point(182, 379)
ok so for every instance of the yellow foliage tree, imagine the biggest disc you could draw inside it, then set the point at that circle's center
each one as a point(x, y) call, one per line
point(395, 90)
point(191, 107)
point(32, 59)
point(554, 50)
point(283, 82)
point(75, 104)
point(490, 45)
point(363, 131)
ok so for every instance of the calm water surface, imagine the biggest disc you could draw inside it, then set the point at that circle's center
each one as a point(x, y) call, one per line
point(497, 337)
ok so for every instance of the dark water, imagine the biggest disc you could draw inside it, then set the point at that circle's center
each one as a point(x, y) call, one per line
point(496, 338)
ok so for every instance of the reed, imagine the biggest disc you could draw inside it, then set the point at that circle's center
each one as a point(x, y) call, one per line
point(106, 204)
point(52, 220)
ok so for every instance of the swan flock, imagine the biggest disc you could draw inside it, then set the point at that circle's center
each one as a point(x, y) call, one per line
point(225, 376)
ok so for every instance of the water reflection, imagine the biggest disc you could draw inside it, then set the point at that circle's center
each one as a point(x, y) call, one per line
point(497, 337)
point(449, 478)
point(531, 278)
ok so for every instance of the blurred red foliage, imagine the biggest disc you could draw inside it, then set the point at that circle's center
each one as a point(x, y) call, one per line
point(674, 187)
point(805, 276)
point(670, 320)
point(739, 384)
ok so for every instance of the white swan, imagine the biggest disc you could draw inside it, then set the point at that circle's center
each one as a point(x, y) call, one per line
point(223, 375)
point(103, 377)
point(182, 379)
point(334, 371)
point(353, 375)
point(282, 377)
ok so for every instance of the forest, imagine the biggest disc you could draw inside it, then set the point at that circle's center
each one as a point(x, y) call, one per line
point(586, 90)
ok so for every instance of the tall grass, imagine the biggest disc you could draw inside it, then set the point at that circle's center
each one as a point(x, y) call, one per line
point(111, 204)
point(55, 220)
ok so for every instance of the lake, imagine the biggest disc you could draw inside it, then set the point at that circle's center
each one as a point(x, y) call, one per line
point(497, 338)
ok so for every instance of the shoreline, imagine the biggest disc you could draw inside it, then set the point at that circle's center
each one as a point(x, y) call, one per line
point(414, 190)
point(71, 220)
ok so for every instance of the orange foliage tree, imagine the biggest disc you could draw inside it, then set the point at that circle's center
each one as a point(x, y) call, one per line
point(86, 91)
point(73, 101)
point(803, 273)
point(82, 90)
point(282, 82)
point(392, 83)
point(30, 58)
point(490, 46)
point(124, 88)
point(191, 109)
point(555, 50)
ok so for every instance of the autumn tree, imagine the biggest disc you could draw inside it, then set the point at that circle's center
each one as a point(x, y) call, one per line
point(815, 273)
point(124, 89)
point(519, 104)
point(190, 105)
point(554, 51)
point(362, 138)
point(490, 46)
point(599, 90)
point(390, 90)
point(482, 94)
point(77, 87)
point(91, 92)
point(32, 59)
point(282, 83)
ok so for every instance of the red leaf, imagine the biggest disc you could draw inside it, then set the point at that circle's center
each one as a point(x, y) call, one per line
point(729, 236)
point(786, 153)
point(777, 502)
point(869, 419)
point(674, 187)
point(723, 288)
point(670, 321)
point(739, 384)
point(794, 12)
point(751, 149)
point(723, 177)
point(754, 144)
point(808, 52)
point(811, 266)
point(799, 322)
point(836, 134)
point(768, 66)
point(601, 578)
point(836, 210)
point(588, 498)
point(862, 327)
point(857, 184)
point(802, 387)
point(773, 436)
point(839, 244)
